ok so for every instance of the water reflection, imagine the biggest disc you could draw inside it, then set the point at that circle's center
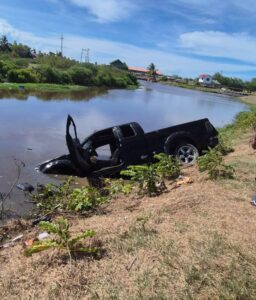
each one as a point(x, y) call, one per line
point(52, 95)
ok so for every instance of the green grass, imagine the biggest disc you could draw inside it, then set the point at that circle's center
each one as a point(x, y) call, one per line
point(193, 87)
point(42, 87)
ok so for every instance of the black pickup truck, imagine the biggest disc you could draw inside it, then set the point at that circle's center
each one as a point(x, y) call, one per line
point(110, 150)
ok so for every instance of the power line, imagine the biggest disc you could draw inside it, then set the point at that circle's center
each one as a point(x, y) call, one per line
point(61, 44)
point(85, 55)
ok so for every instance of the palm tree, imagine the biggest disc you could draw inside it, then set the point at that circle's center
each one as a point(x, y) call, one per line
point(152, 71)
point(4, 44)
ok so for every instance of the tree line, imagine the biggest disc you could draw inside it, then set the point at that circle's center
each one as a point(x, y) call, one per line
point(235, 83)
point(19, 63)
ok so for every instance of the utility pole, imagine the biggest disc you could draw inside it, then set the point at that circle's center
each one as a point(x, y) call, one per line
point(61, 44)
point(85, 54)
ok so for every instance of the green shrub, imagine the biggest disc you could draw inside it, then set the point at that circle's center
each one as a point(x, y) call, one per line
point(146, 176)
point(116, 187)
point(54, 60)
point(167, 166)
point(224, 148)
point(66, 78)
point(51, 196)
point(62, 239)
point(80, 75)
point(246, 119)
point(22, 76)
point(212, 163)
point(49, 75)
point(85, 199)
point(6, 66)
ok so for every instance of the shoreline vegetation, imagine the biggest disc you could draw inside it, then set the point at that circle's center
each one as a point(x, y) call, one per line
point(22, 65)
point(51, 87)
point(248, 98)
point(206, 89)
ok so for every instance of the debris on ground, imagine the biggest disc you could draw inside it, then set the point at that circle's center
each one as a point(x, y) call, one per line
point(254, 143)
point(25, 187)
point(12, 242)
point(29, 243)
point(183, 180)
point(42, 236)
point(36, 221)
point(253, 202)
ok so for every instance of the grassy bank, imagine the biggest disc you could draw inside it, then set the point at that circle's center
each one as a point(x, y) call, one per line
point(41, 87)
point(47, 87)
point(195, 241)
point(205, 89)
point(192, 87)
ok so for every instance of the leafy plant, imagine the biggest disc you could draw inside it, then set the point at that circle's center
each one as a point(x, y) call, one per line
point(51, 196)
point(147, 177)
point(84, 199)
point(212, 162)
point(62, 239)
point(119, 186)
point(167, 166)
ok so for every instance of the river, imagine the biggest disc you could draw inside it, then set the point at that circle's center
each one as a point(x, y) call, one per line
point(32, 128)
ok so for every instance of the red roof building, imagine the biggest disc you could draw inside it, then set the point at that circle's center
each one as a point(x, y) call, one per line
point(139, 70)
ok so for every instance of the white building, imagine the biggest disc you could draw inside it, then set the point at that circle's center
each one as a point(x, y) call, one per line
point(205, 79)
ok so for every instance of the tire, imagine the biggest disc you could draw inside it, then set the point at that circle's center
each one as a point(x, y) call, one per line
point(186, 153)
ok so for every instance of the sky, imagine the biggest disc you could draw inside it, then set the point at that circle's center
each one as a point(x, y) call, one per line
point(181, 37)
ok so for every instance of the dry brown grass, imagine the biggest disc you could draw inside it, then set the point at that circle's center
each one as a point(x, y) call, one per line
point(194, 242)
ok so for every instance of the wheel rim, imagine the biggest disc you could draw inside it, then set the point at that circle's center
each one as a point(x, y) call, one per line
point(187, 154)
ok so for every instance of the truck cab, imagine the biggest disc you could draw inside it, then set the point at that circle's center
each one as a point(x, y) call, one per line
point(115, 145)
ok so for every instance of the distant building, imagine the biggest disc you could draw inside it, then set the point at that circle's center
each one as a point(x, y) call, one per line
point(142, 71)
point(207, 80)
point(119, 64)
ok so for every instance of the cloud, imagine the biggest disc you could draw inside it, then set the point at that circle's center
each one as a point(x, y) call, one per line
point(239, 46)
point(104, 51)
point(42, 43)
point(106, 10)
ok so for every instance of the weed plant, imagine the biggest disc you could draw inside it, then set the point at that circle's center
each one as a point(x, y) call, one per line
point(148, 179)
point(212, 163)
point(151, 178)
point(62, 239)
point(167, 166)
point(51, 196)
point(118, 186)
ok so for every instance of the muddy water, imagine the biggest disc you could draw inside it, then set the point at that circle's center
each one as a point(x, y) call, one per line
point(32, 127)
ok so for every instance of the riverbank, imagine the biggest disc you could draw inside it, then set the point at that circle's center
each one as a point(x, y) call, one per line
point(205, 89)
point(47, 87)
point(195, 241)
point(251, 99)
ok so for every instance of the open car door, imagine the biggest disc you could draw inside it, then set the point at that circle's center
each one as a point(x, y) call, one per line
point(75, 163)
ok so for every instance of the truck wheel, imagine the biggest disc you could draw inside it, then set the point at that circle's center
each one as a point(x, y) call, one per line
point(186, 153)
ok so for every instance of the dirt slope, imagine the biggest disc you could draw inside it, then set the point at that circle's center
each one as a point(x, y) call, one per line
point(193, 242)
